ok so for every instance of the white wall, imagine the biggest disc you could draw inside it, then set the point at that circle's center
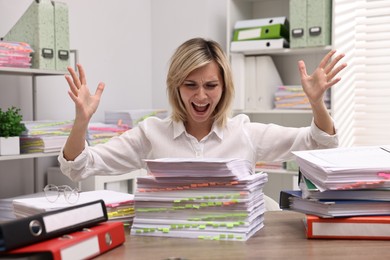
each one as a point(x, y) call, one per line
point(114, 41)
point(175, 21)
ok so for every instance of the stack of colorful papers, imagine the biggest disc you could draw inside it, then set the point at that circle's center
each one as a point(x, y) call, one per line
point(214, 199)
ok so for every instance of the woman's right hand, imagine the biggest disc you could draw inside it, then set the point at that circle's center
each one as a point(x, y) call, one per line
point(86, 104)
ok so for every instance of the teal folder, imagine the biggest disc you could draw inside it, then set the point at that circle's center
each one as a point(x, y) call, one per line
point(298, 30)
point(274, 31)
point(36, 27)
point(61, 35)
point(319, 19)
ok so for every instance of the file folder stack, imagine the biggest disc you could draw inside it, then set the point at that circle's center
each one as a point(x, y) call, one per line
point(76, 232)
point(260, 34)
point(15, 54)
point(343, 189)
point(45, 27)
point(214, 199)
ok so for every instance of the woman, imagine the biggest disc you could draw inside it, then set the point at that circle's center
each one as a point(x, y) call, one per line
point(200, 90)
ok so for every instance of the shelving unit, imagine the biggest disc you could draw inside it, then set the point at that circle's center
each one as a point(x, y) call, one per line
point(285, 61)
point(33, 73)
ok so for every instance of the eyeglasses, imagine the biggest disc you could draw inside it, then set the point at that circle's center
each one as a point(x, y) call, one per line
point(53, 192)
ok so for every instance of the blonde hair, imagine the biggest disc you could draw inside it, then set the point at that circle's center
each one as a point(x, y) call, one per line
point(189, 56)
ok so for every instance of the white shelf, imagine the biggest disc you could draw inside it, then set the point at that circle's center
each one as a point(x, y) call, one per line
point(274, 111)
point(27, 156)
point(287, 51)
point(29, 72)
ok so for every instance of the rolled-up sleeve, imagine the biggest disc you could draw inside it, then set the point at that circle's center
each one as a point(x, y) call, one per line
point(74, 169)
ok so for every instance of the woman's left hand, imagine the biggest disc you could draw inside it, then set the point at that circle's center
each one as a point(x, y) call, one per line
point(323, 77)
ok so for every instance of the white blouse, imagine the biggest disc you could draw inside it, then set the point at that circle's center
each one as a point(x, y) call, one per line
point(163, 138)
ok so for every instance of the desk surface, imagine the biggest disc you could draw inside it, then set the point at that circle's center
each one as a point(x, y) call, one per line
point(282, 237)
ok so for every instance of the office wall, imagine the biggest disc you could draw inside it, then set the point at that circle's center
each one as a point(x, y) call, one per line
point(175, 21)
point(114, 41)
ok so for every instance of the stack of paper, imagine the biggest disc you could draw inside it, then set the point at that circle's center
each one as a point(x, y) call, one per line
point(293, 97)
point(348, 183)
point(212, 199)
point(15, 54)
point(131, 118)
point(44, 136)
point(120, 206)
point(99, 133)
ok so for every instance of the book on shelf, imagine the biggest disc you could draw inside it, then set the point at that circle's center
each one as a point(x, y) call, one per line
point(82, 244)
point(36, 228)
point(214, 199)
point(366, 227)
point(118, 205)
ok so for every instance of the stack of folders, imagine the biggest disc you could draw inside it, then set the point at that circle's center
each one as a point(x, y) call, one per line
point(293, 97)
point(119, 205)
point(99, 133)
point(131, 118)
point(212, 199)
point(260, 34)
point(345, 192)
point(44, 136)
point(15, 54)
point(76, 232)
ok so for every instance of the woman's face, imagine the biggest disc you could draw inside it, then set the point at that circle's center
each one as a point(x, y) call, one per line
point(201, 92)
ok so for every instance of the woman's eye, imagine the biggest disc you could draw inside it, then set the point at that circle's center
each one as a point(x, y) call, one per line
point(190, 85)
point(211, 86)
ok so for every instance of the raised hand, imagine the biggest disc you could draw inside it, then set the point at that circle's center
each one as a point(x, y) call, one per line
point(322, 78)
point(86, 104)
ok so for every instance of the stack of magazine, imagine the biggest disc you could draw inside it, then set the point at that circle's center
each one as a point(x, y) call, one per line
point(344, 191)
point(213, 199)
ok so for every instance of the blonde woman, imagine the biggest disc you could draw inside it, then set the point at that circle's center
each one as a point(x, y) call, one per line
point(200, 90)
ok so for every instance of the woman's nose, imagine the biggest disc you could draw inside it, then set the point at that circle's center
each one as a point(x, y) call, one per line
point(201, 93)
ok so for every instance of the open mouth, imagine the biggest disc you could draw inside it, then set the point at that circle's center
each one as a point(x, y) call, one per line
point(200, 107)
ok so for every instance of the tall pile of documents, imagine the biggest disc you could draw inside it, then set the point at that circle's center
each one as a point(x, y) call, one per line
point(260, 34)
point(348, 184)
point(213, 199)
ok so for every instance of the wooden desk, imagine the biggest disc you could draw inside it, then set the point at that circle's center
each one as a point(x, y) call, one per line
point(282, 237)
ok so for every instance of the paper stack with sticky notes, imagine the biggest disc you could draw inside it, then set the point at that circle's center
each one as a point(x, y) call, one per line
point(350, 185)
point(215, 199)
point(119, 205)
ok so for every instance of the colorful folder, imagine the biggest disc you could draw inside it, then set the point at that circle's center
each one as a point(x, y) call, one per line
point(274, 31)
point(83, 244)
point(367, 227)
